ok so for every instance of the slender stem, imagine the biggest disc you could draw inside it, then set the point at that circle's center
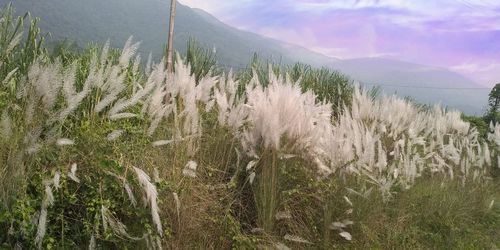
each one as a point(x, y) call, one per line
point(268, 191)
point(171, 36)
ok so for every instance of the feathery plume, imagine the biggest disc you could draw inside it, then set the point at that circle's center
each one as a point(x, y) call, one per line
point(177, 206)
point(151, 196)
point(296, 238)
point(281, 246)
point(48, 200)
point(162, 143)
point(251, 178)
point(190, 169)
point(283, 215)
point(129, 50)
point(9, 76)
point(487, 154)
point(251, 164)
point(122, 116)
point(13, 43)
point(346, 235)
point(130, 194)
point(6, 125)
point(72, 173)
point(56, 180)
point(92, 243)
point(114, 224)
point(114, 135)
point(64, 142)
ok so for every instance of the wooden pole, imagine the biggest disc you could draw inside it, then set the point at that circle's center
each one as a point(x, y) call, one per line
point(171, 37)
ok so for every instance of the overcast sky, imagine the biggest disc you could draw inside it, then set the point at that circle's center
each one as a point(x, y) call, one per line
point(463, 35)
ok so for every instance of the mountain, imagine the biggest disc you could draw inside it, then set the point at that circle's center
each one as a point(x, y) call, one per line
point(424, 84)
point(147, 20)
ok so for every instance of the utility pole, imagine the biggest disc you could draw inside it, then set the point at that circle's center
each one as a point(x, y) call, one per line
point(171, 37)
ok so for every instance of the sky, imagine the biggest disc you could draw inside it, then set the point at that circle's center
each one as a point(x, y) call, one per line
point(461, 35)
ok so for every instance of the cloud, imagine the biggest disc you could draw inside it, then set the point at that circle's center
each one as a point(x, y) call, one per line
point(349, 4)
point(462, 34)
point(477, 67)
point(486, 74)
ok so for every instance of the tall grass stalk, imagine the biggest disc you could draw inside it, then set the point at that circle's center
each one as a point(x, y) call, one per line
point(268, 190)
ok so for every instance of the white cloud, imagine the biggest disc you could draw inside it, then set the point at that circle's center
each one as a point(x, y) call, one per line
point(486, 74)
point(477, 67)
point(463, 15)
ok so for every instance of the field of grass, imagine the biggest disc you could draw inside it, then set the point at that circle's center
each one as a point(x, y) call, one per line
point(100, 150)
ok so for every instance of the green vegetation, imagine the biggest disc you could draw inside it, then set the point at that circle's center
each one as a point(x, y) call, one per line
point(493, 114)
point(98, 151)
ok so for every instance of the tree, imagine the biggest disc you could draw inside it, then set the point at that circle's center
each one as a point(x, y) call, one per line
point(494, 105)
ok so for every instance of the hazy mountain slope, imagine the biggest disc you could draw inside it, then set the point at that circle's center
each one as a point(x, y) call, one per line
point(294, 52)
point(422, 83)
point(99, 20)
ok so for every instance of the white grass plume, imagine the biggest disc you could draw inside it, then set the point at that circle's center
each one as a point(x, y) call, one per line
point(104, 52)
point(177, 206)
point(162, 143)
point(92, 243)
point(296, 238)
point(190, 169)
point(72, 173)
point(48, 200)
point(251, 178)
point(122, 116)
point(56, 180)
point(346, 235)
point(64, 142)
point(281, 246)
point(130, 194)
point(128, 52)
point(73, 99)
point(14, 43)
point(494, 133)
point(251, 164)
point(487, 154)
point(6, 126)
point(114, 135)
point(283, 215)
point(47, 81)
point(9, 76)
point(282, 110)
point(110, 221)
point(151, 196)
point(125, 103)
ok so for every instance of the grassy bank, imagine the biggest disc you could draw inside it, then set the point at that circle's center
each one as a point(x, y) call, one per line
point(101, 150)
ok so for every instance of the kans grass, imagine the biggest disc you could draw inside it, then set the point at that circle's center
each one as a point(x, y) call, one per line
point(102, 149)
